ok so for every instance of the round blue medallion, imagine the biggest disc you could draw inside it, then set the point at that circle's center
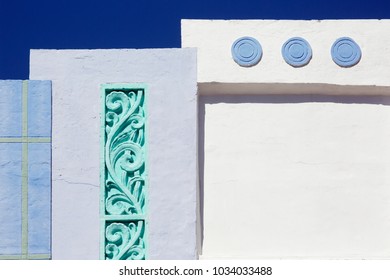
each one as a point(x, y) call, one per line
point(297, 52)
point(345, 52)
point(246, 51)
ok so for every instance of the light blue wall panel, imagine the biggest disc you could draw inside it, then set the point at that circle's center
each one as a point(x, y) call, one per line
point(39, 108)
point(39, 198)
point(25, 169)
point(10, 108)
point(10, 198)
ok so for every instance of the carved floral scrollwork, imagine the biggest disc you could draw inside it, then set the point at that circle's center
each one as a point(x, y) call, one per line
point(124, 241)
point(125, 153)
point(124, 160)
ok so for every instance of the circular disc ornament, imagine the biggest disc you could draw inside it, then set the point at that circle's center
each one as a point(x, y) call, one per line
point(246, 51)
point(297, 52)
point(345, 52)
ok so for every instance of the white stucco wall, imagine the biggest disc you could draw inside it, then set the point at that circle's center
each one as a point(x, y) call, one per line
point(214, 39)
point(289, 166)
point(172, 145)
point(303, 179)
point(294, 161)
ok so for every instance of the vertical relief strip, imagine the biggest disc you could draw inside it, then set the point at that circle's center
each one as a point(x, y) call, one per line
point(123, 172)
point(24, 171)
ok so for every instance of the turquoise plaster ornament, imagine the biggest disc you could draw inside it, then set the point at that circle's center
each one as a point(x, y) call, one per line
point(123, 173)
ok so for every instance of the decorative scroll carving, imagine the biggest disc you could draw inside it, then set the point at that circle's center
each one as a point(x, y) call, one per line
point(125, 241)
point(124, 172)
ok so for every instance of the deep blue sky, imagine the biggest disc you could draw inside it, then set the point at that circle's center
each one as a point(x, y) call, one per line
point(91, 24)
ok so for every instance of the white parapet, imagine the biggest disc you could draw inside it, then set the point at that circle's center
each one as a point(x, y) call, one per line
point(214, 39)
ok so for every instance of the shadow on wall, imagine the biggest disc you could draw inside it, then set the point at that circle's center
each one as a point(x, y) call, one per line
point(205, 99)
point(291, 98)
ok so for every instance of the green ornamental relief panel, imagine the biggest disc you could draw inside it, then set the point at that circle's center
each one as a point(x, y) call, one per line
point(123, 172)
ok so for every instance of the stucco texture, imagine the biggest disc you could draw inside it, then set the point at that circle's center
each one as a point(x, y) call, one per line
point(172, 105)
point(293, 160)
point(214, 38)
